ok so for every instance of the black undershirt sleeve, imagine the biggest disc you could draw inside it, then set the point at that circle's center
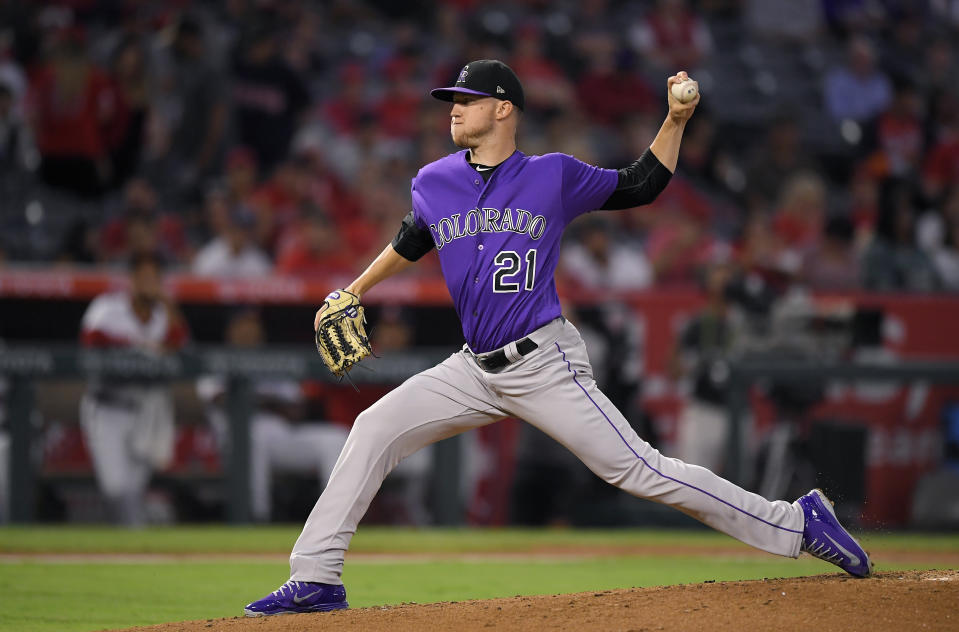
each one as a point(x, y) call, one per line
point(639, 183)
point(412, 241)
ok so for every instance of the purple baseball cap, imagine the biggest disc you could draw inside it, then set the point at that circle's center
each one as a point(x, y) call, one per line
point(487, 78)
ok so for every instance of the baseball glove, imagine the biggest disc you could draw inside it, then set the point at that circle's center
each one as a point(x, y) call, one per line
point(341, 336)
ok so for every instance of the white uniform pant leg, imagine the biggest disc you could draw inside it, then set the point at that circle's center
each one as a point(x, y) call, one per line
point(438, 403)
point(268, 437)
point(554, 390)
point(122, 476)
point(703, 434)
point(280, 445)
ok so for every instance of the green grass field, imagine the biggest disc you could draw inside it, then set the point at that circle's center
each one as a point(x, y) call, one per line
point(63, 593)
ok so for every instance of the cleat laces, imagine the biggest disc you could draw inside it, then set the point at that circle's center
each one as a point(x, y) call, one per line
point(289, 587)
point(822, 550)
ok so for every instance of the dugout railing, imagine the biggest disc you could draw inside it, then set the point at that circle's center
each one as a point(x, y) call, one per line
point(23, 365)
point(744, 375)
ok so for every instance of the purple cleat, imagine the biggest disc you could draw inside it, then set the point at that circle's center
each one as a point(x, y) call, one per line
point(825, 538)
point(297, 597)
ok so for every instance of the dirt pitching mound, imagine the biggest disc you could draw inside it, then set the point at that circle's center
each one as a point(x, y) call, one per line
point(890, 601)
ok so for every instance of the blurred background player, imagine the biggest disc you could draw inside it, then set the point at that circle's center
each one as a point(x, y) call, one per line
point(128, 424)
point(281, 438)
point(700, 359)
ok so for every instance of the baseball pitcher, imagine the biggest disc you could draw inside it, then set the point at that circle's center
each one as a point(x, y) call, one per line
point(495, 217)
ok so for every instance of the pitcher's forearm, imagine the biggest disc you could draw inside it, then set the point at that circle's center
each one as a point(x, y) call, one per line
point(386, 264)
point(666, 144)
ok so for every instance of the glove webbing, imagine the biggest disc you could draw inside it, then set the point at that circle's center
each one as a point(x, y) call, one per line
point(328, 342)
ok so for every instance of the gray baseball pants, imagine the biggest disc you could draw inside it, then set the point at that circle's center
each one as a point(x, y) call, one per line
point(553, 389)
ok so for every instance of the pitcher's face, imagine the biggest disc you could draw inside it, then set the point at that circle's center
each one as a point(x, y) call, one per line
point(471, 119)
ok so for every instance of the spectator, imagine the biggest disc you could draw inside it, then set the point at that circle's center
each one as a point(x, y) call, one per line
point(902, 54)
point(75, 112)
point(16, 142)
point(671, 37)
point(397, 109)
point(597, 261)
point(707, 162)
point(11, 73)
point(942, 239)
point(899, 135)
point(858, 90)
point(940, 169)
point(281, 438)
point(758, 249)
point(680, 241)
point(192, 107)
point(939, 68)
point(242, 175)
point(798, 220)
point(946, 259)
point(833, 264)
point(128, 423)
point(779, 156)
point(347, 109)
point(279, 201)
point(317, 250)
point(233, 251)
point(142, 228)
point(785, 21)
point(545, 85)
point(268, 97)
point(129, 72)
point(607, 92)
point(893, 261)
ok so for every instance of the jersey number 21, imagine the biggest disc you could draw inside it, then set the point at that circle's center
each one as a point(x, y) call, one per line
point(508, 262)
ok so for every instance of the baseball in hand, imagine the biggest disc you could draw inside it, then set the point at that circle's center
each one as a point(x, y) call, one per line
point(685, 91)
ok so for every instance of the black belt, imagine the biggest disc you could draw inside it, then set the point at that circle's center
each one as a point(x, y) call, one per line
point(498, 359)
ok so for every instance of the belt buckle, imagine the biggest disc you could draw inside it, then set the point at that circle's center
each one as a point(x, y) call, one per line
point(486, 361)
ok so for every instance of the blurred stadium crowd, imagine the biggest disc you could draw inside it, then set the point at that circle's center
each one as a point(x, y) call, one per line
point(250, 137)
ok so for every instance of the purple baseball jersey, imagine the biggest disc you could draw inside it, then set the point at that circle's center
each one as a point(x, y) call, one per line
point(498, 241)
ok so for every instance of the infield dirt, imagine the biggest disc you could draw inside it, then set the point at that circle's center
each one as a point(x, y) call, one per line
point(889, 601)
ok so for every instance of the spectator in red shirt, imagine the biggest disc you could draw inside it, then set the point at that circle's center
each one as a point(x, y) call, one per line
point(672, 37)
point(798, 220)
point(278, 202)
point(316, 251)
point(680, 242)
point(345, 111)
point(899, 135)
point(546, 87)
point(142, 228)
point(396, 111)
point(941, 167)
point(75, 110)
point(607, 92)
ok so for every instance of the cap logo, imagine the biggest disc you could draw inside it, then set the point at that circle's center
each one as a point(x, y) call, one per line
point(463, 75)
point(499, 90)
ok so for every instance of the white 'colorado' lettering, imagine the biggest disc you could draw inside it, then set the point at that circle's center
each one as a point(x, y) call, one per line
point(487, 220)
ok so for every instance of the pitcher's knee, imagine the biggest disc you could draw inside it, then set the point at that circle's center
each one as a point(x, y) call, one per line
point(622, 476)
point(370, 425)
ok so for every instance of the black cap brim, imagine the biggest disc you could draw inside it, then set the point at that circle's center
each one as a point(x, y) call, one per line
point(446, 94)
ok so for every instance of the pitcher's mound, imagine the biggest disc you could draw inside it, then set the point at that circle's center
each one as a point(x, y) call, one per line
point(889, 601)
